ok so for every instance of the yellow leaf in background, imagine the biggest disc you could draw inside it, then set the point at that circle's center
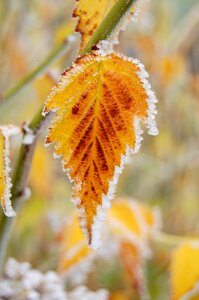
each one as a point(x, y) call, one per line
point(43, 86)
point(75, 247)
point(185, 272)
point(123, 219)
point(5, 180)
point(151, 217)
point(127, 213)
point(91, 14)
point(99, 103)
point(132, 220)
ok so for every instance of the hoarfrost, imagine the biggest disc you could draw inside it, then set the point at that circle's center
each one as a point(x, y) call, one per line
point(29, 135)
point(28, 139)
point(106, 47)
point(6, 131)
point(19, 281)
point(83, 293)
point(152, 100)
point(8, 210)
point(149, 121)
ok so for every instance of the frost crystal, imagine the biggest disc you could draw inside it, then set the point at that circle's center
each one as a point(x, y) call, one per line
point(105, 48)
point(29, 136)
point(152, 100)
point(28, 139)
point(121, 26)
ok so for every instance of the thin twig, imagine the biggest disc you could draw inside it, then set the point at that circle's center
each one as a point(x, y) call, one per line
point(166, 240)
point(20, 180)
point(55, 54)
point(185, 32)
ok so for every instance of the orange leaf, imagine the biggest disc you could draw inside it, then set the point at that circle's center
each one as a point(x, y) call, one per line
point(99, 102)
point(90, 14)
point(5, 180)
point(185, 272)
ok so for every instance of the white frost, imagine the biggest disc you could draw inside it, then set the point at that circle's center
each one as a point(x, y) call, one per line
point(152, 100)
point(29, 135)
point(106, 46)
point(6, 131)
point(28, 139)
point(82, 293)
point(21, 281)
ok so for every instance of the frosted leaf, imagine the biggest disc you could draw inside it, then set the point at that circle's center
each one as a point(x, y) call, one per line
point(5, 180)
point(95, 133)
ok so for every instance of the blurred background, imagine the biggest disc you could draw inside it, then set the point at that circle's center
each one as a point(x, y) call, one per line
point(163, 174)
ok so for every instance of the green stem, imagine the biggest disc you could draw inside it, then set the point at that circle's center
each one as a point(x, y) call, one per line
point(35, 72)
point(170, 240)
point(23, 166)
point(109, 23)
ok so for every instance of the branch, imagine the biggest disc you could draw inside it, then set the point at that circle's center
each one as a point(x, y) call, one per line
point(165, 240)
point(20, 180)
point(109, 23)
point(23, 166)
point(55, 54)
point(185, 33)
